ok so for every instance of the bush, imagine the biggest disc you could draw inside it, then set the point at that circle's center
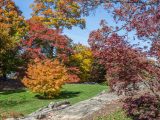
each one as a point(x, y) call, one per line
point(45, 77)
point(145, 107)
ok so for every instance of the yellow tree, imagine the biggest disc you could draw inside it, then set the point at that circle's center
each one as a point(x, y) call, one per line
point(83, 60)
point(58, 13)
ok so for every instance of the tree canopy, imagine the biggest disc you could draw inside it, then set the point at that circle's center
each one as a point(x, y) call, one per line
point(58, 13)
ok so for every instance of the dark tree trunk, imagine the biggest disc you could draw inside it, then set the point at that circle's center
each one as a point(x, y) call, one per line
point(4, 77)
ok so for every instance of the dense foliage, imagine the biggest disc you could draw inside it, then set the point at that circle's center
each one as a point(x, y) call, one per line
point(98, 71)
point(124, 63)
point(140, 17)
point(82, 58)
point(58, 13)
point(12, 19)
point(45, 77)
point(7, 42)
point(11, 62)
point(73, 74)
point(12, 28)
point(43, 42)
point(145, 107)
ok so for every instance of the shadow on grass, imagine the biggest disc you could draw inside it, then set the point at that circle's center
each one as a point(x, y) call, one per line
point(62, 95)
point(67, 94)
point(7, 92)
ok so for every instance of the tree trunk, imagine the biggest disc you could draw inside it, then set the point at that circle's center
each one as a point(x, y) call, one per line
point(4, 77)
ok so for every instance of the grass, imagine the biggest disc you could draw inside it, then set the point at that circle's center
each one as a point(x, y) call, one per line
point(118, 115)
point(25, 102)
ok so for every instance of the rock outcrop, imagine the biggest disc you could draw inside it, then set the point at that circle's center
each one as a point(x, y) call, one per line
point(42, 113)
point(88, 109)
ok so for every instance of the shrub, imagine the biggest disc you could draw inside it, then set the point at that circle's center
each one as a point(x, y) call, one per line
point(145, 107)
point(45, 77)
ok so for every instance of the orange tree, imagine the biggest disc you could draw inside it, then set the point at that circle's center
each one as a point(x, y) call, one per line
point(45, 77)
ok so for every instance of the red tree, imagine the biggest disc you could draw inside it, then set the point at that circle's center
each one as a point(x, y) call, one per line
point(44, 42)
point(143, 16)
point(124, 63)
point(155, 49)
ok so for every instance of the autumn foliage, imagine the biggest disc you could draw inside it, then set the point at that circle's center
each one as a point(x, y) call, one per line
point(139, 15)
point(44, 42)
point(82, 58)
point(58, 13)
point(7, 42)
point(12, 28)
point(73, 74)
point(124, 63)
point(11, 18)
point(145, 107)
point(45, 77)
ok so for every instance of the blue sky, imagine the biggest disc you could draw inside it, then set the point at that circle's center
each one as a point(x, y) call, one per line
point(92, 23)
point(76, 34)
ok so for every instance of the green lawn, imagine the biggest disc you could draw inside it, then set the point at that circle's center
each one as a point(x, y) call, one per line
point(118, 115)
point(25, 102)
